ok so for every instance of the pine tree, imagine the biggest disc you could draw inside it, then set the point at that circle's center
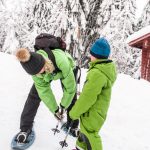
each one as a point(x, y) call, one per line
point(48, 16)
point(72, 29)
point(3, 19)
point(9, 26)
point(41, 17)
point(117, 30)
point(144, 20)
point(92, 11)
point(2, 33)
point(26, 30)
point(4, 27)
point(10, 41)
point(81, 25)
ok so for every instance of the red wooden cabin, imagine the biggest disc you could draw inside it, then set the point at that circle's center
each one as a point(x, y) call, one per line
point(141, 39)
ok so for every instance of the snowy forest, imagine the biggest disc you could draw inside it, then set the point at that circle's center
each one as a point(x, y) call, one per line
point(79, 23)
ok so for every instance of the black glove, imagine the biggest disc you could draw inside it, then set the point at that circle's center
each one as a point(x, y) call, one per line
point(62, 110)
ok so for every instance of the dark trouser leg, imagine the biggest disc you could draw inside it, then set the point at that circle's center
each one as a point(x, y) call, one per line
point(84, 141)
point(30, 110)
point(69, 120)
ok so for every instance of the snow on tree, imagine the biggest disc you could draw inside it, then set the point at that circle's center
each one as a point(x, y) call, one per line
point(10, 43)
point(26, 31)
point(117, 30)
point(72, 29)
point(61, 18)
point(48, 16)
point(2, 3)
point(4, 17)
point(92, 11)
point(24, 24)
point(9, 25)
point(2, 34)
point(144, 20)
point(41, 17)
point(81, 25)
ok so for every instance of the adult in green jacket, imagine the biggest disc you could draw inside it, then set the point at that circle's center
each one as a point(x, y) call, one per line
point(92, 106)
point(42, 80)
point(43, 72)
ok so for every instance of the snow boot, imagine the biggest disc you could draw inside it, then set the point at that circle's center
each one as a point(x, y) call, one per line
point(65, 127)
point(22, 136)
point(73, 131)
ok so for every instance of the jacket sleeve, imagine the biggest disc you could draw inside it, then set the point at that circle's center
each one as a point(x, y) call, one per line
point(92, 88)
point(68, 82)
point(45, 93)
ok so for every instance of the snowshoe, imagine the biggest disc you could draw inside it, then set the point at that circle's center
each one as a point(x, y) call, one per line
point(23, 140)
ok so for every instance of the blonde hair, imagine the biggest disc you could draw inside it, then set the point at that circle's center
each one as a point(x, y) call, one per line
point(49, 66)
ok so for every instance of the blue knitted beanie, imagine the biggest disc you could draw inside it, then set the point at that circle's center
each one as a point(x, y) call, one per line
point(100, 49)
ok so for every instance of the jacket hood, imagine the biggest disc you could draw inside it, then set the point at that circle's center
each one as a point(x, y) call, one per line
point(109, 69)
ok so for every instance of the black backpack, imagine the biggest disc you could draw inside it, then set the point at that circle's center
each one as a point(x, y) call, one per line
point(45, 40)
point(48, 42)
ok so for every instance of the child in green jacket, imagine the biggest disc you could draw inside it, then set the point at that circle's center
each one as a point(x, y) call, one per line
point(92, 106)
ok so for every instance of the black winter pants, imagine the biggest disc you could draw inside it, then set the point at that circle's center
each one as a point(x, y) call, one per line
point(31, 107)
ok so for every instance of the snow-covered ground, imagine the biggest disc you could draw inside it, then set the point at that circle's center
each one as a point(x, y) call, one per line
point(126, 128)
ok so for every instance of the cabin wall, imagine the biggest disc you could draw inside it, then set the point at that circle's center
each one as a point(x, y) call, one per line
point(145, 66)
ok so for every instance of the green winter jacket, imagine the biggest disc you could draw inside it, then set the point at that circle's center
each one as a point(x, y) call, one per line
point(93, 103)
point(42, 82)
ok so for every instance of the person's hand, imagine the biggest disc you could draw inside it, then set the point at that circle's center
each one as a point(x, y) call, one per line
point(59, 113)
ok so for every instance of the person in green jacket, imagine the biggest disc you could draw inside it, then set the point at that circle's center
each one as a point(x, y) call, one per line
point(43, 71)
point(92, 105)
